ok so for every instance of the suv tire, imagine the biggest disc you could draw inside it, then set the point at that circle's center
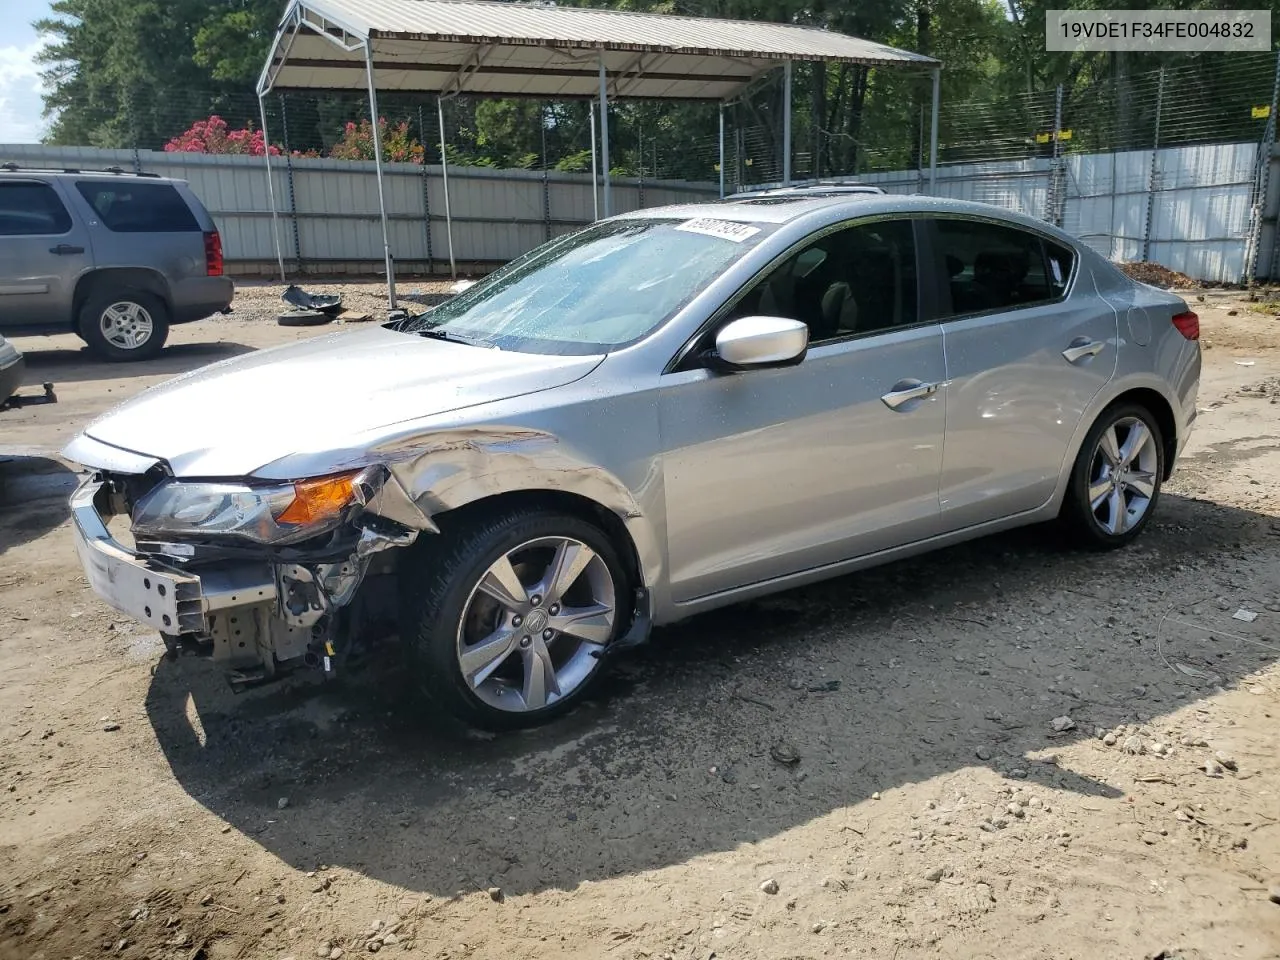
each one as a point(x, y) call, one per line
point(123, 325)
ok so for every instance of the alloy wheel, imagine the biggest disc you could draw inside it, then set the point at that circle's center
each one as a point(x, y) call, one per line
point(534, 624)
point(126, 325)
point(1122, 475)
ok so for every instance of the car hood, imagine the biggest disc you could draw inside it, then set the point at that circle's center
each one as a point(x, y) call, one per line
point(235, 416)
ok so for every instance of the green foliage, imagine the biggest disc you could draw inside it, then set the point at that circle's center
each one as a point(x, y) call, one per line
point(233, 43)
point(397, 145)
point(138, 72)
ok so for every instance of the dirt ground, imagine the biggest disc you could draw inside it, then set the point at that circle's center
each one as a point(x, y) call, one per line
point(865, 768)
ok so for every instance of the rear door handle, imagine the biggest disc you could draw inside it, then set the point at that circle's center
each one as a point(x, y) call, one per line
point(1082, 347)
point(905, 390)
point(65, 249)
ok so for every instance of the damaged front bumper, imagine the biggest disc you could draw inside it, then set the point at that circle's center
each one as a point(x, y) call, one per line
point(258, 616)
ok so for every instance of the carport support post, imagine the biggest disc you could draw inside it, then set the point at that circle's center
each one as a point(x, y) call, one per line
point(721, 152)
point(786, 123)
point(444, 174)
point(377, 163)
point(604, 132)
point(933, 134)
point(271, 189)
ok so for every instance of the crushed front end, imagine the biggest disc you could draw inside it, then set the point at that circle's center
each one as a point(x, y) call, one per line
point(261, 577)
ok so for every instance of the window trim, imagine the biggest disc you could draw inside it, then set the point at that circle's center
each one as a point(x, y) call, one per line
point(942, 285)
point(926, 296)
point(71, 219)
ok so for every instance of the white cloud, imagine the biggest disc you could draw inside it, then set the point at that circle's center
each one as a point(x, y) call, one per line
point(21, 109)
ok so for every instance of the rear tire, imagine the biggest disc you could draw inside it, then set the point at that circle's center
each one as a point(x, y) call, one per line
point(124, 325)
point(1116, 479)
point(503, 615)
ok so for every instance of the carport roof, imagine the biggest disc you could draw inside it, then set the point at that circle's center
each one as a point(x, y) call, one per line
point(527, 49)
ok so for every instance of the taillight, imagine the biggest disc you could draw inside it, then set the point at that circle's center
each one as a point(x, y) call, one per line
point(1188, 325)
point(213, 254)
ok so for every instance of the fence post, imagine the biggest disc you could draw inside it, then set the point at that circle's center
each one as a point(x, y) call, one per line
point(1261, 188)
point(1058, 168)
point(546, 183)
point(133, 132)
point(920, 155)
point(640, 182)
point(426, 194)
point(288, 167)
point(1154, 174)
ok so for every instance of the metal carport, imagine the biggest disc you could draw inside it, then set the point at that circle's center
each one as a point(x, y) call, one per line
point(450, 47)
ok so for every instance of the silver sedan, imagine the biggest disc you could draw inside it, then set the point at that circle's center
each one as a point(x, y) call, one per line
point(664, 413)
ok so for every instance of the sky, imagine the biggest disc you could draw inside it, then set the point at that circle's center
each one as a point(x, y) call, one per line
point(20, 104)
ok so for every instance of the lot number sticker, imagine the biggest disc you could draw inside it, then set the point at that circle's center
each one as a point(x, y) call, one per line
point(736, 232)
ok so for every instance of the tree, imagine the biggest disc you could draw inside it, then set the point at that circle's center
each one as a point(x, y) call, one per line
point(232, 43)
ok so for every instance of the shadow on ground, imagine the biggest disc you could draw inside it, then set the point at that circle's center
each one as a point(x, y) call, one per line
point(33, 498)
point(61, 365)
point(901, 674)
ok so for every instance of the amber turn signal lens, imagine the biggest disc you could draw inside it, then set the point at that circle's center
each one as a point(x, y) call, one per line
point(320, 499)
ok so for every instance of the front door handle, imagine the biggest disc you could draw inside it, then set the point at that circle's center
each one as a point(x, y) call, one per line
point(65, 249)
point(1082, 347)
point(905, 390)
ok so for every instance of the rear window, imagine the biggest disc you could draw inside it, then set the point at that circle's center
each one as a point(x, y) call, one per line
point(995, 267)
point(132, 207)
point(31, 209)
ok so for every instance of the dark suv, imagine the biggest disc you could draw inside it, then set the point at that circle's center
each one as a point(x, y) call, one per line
point(115, 257)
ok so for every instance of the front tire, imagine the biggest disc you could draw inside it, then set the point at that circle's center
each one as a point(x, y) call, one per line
point(504, 617)
point(124, 325)
point(1116, 479)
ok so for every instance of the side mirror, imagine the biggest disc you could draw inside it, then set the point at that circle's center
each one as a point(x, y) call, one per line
point(761, 342)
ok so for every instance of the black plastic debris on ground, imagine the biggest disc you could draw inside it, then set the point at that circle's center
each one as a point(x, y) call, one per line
point(296, 297)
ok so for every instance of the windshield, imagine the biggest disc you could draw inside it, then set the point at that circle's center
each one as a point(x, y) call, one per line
point(593, 291)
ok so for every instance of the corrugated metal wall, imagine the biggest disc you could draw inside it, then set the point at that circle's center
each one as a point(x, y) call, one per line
point(1190, 208)
point(328, 209)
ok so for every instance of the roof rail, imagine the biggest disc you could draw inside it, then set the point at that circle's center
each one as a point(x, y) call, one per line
point(14, 167)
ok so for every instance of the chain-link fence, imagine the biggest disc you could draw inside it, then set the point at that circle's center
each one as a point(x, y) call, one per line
point(1169, 165)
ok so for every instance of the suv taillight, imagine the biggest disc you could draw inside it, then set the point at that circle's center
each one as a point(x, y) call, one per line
point(1188, 324)
point(213, 253)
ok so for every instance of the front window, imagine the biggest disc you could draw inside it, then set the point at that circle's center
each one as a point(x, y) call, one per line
point(593, 291)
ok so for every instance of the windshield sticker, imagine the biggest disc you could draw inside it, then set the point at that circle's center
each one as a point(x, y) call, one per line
point(736, 232)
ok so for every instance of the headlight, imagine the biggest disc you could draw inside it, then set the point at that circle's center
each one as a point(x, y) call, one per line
point(274, 514)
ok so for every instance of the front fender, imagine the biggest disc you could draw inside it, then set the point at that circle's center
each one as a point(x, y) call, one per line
point(452, 468)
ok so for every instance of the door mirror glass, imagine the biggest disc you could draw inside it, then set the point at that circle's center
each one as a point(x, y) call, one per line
point(762, 342)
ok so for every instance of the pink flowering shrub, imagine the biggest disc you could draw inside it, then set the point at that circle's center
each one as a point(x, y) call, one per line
point(397, 145)
point(212, 136)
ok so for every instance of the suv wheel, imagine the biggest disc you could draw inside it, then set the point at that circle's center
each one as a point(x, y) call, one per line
point(505, 618)
point(124, 324)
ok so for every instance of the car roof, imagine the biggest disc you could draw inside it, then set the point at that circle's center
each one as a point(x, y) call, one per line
point(786, 209)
